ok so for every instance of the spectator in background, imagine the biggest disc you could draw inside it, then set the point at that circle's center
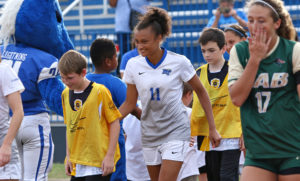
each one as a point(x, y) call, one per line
point(225, 16)
point(233, 35)
point(122, 21)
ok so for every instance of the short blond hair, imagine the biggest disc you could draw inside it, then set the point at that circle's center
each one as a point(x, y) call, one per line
point(72, 62)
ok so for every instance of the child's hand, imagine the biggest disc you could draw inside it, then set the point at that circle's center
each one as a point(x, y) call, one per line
point(192, 141)
point(5, 153)
point(214, 138)
point(68, 167)
point(107, 165)
point(242, 144)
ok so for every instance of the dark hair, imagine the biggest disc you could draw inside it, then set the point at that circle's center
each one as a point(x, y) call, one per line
point(186, 88)
point(101, 49)
point(237, 30)
point(158, 19)
point(286, 29)
point(214, 35)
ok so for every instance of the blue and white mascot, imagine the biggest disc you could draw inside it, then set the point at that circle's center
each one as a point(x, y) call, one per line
point(34, 38)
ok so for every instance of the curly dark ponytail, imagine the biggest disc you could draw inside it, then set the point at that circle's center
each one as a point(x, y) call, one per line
point(158, 19)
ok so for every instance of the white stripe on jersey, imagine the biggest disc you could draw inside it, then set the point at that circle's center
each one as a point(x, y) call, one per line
point(49, 72)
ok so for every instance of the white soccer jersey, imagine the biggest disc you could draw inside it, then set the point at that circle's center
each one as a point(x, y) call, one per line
point(164, 117)
point(9, 83)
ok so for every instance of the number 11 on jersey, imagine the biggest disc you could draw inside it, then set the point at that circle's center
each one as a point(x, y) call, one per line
point(154, 94)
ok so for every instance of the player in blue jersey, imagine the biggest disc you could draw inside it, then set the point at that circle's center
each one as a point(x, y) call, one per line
point(40, 39)
point(157, 77)
point(104, 57)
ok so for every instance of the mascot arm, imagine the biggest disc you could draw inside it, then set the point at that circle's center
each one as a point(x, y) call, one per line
point(51, 90)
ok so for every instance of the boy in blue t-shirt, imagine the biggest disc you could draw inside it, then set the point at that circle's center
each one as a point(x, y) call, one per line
point(104, 57)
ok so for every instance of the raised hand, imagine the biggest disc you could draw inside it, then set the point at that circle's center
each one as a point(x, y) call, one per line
point(218, 13)
point(259, 44)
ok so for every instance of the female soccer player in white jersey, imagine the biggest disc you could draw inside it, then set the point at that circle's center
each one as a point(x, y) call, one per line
point(10, 89)
point(264, 79)
point(157, 76)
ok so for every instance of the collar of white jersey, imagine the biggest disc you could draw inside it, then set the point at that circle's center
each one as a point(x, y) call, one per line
point(160, 61)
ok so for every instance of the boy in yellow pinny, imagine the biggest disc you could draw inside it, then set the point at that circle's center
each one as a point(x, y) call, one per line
point(92, 122)
point(222, 162)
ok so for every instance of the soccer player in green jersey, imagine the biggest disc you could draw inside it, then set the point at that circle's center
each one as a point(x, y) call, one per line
point(264, 79)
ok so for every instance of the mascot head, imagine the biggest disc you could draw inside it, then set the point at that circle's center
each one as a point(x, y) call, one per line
point(35, 23)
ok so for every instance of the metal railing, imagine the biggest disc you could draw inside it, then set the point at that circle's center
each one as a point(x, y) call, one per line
point(189, 18)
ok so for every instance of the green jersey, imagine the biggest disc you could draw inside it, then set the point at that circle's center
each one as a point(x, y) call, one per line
point(271, 113)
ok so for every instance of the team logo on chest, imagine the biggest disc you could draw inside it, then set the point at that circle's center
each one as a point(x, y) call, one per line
point(215, 83)
point(77, 104)
point(279, 62)
point(166, 71)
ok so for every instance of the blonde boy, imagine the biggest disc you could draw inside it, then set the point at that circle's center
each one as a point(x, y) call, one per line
point(92, 122)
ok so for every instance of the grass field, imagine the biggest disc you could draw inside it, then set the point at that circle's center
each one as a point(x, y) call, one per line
point(58, 172)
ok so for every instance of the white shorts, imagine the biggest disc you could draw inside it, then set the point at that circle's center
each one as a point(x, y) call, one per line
point(172, 150)
point(12, 170)
point(190, 164)
point(36, 147)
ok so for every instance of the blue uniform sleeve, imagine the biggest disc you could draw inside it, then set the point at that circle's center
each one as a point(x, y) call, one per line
point(51, 90)
point(211, 21)
point(124, 61)
point(121, 91)
point(242, 15)
point(126, 57)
